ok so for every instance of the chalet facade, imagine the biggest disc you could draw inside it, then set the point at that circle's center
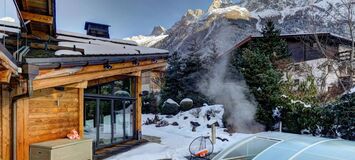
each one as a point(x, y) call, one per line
point(321, 55)
point(53, 82)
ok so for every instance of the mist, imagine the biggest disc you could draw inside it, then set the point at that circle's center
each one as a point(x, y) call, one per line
point(233, 93)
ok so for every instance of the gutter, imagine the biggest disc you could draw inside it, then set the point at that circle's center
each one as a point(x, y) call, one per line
point(79, 61)
point(30, 72)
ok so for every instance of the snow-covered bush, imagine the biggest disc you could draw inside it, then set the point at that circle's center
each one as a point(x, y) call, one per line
point(297, 116)
point(186, 104)
point(339, 118)
point(170, 107)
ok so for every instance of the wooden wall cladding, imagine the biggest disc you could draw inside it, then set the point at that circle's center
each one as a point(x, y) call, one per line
point(49, 114)
point(5, 122)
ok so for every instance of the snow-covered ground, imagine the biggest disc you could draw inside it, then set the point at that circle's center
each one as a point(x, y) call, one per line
point(175, 140)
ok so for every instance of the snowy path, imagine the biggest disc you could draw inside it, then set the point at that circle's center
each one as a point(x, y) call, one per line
point(175, 140)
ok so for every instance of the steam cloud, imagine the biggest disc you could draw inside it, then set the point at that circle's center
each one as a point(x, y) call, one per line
point(239, 105)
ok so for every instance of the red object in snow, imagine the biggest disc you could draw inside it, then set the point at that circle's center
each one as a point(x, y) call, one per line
point(73, 135)
point(202, 153)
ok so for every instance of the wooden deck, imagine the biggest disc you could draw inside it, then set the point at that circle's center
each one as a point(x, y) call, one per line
point(117, 149)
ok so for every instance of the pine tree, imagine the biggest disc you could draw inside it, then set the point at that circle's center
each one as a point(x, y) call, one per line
point(271, 43)
point(193, 71)
point(256, 63)
point(182, 79)
point(172, 85)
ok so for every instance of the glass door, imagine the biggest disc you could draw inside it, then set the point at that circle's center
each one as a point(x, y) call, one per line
point(105, 123)
point(128, 119)
point(118, 122)
point(109, 113)
point(90, 122)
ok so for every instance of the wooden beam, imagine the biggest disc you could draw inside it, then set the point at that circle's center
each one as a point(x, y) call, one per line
point(162, 69)
point(25, 4)
point(105, 80)
point(53, 47)
point(22, 139)
point(5, 76)
point(5, 123)
point(60, 81)
point(5, 60)
point(81, 112)
point(100, 68)
point(134, 74)
point(58, 73)
point(80, 85)
point(37, 17)
point(138, 110)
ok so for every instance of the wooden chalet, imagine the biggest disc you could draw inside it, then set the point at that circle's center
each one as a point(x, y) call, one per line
point(303, 47)
point(52, 82)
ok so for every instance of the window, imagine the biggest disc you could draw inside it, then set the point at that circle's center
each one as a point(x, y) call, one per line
point(121, 88)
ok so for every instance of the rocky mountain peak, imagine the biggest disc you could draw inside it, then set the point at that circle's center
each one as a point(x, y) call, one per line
point(215, 4)
point(192, 14)
point(255, 5)
point(158, 30)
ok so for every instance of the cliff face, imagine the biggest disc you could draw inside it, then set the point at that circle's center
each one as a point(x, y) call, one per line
point(225, 24)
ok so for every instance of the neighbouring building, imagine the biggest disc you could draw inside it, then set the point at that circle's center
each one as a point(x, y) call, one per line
point(52, 82)
point(323, 56)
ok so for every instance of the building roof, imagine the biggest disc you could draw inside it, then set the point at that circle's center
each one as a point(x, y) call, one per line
point(96, 50)
point(102, 46)
point(332, 36)
point(276, 145)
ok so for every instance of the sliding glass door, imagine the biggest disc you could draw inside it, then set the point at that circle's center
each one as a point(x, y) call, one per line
point(109, 118)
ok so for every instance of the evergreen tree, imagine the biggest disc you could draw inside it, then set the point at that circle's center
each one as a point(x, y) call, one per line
point(182, 79)
point(172, 86)
point(256, 63)
point(271, 43)
point(193, 71)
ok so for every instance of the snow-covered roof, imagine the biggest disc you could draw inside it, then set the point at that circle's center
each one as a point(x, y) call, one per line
point(71, 36)
point(249, 38)
point(102, 46)
point(7, 26)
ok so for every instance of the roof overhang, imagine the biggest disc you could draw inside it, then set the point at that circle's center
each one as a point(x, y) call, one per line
point(310, 36)
point(8, 65)
point(79, 61)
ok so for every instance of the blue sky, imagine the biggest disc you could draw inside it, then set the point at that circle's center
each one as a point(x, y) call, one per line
point(126, 17)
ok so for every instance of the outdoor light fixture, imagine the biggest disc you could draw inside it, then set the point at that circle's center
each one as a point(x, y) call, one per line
point(107, 66)
point(154, 60)
point(135, 62)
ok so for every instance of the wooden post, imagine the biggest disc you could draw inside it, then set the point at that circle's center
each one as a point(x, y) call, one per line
point(139, 106)
point(5, 123)
point(81, 112)
point(213, 134)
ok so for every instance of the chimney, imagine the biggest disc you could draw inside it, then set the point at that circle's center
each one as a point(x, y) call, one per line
point(97, 30)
